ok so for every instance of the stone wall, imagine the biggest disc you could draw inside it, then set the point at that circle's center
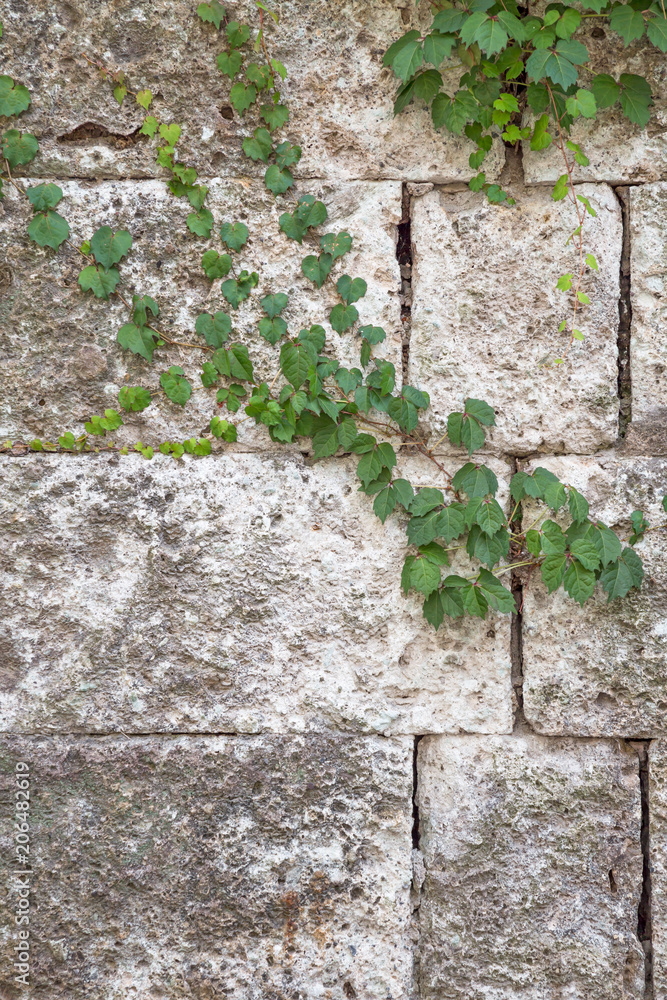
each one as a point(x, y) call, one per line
point(256, 771)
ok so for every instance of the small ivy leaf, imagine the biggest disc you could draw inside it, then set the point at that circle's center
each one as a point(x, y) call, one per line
point(223, 429)
point(342, 317)
point(474, 601)
point(405, 56)
point(200, 223)
point(605, 90)
point(424, 576)
point(99, 281)
point(560, 189)
point(325, 440)
point(134, 398)
point(385, 503)
point(238, 34)
point(310, 212)
point(490, 517)
point(434, 553)
point(259, 75)
point(434, 609)
point(212, 12)
point(627, 22)
point(14, 97)
point(170, 133)
point(234, 235)
point(347, 433)
point(144, 98)
point(229, 63)
point(472, 435)
point(607, 544)
point(634, 564)
point(426, 500)
point(351, 290)
point(197, 196)
point(455, 428)
point(336, 245)
point(259, 146)
point(292, 228)
point(278, 180)
point(273, 305)
point(48, 229)
point(215, 329)
point(18, 147)
point(287, 155)
point(578, 505)
point(481, 411)
point(149, 126)
point(541, 137)
point(533, 542)
point(275, 63)
point(234, 363)
point(44, 196)
point(582, 103)
point(636, 98)
point(138, 339)
point(579, 582)
point(554, 542)
point(216, 265)
point(120, 92)
point(275, 115)
point(272, 330)
point(451, 523)
point(111, 421)
point(317, 268)
point(454, 112)
point(496, 595)
point(176, 388)
point(553, 571)
point(295, 364)
point(108, 247)
point(141, 306)
point(237, 290)
point(523, 485)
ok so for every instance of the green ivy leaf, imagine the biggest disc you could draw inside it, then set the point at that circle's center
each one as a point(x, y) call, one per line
point(581, 103)
point(170, 133)
point(108, 247)
point(237, 290)
point(636, 98)
point(579, 582)
point(496, 595)
point(215, 329)
point(490, 516)
point(336, 245)
point(234, 235)
point(342, 317)
point(259, 146)
point(472, 435)
point(627, 22)
point(278, 180)
point(424, 575)
point(272, 330)
point(553, 571)
point(405, 56)
point(317, 269)
point(18, 147)
point(100, 282)
point(656, 29)
point(138, 339)
point(489, 549)
point(586, 553)
point(238, 34)
point(275, 115)
point(48, 229)
point(242, 97)
point(176, 388)
point(351, 290)
point(229, 63)
point(259, 75)
point(294, 364)
point(426, 500)
point(134, 398)
point(287, 155)
point(578, 505)
point(605, 90)
point(14, 97)
point(44, 196)
point(213, 12)
point(216, 265)
point(607, 544)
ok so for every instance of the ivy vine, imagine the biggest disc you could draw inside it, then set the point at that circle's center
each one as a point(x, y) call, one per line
point(361, 410)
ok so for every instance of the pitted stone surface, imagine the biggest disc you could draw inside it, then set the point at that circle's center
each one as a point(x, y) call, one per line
point(620, 152)
point(533, 869)
point(657, 769)
point(46, 316)
point(485, 317)
point(647, 432)
point(219, 866)
point(340, 98)
point(239, 593)
point(601, 670)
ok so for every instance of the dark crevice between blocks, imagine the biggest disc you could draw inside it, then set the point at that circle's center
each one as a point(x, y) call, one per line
point(404, 258)
point(516, 627)
point(644, 921)
point(418, 871)
point(624, 319)
point(415, 788)
point(92, 130)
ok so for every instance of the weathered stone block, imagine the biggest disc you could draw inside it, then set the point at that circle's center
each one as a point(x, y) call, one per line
point(601, 670)
point(61, 359)
point(533, 869)
point(485, 317)
point(647, 432)
point(237, 593)
point(340, 97)
point(620, 152)
point(214, 866)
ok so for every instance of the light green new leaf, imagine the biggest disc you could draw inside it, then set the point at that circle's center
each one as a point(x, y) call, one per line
point(134, 398)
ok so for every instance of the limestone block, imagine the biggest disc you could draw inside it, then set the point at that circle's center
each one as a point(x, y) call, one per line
point(214, 866)
point(533, 869)
point(340, 97)
point(601, 670)
point(60, 357)
point(647, 432)
point(239, 593)
point(619, 151)
point(486, 312)
point(657, 769)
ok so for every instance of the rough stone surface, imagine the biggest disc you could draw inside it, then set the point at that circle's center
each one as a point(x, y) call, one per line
point(47, 316)
point(619, 151)
point(208, 867)
point(340, 97)
point(657, 769)
point(533, 868)
point(239, 593)
point(485, 317)
point(601, 670)
point(647, 432)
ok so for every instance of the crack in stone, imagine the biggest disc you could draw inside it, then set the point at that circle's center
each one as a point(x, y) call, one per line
point(404, 258)
point(516, 629)
point(624, 318)
point(644, 919)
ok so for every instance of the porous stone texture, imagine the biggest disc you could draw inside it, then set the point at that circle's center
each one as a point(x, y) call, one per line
point(485, 317)
point(647, 432)
point(46, 315)
point(241, 593)
point(601, 670)
point(657, 803)
point(340, 98)
point(532, 856)
point(619, 151)
point(218, 866)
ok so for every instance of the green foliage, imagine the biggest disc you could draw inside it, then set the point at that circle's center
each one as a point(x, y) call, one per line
point(14, 97)
point(18, 147)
